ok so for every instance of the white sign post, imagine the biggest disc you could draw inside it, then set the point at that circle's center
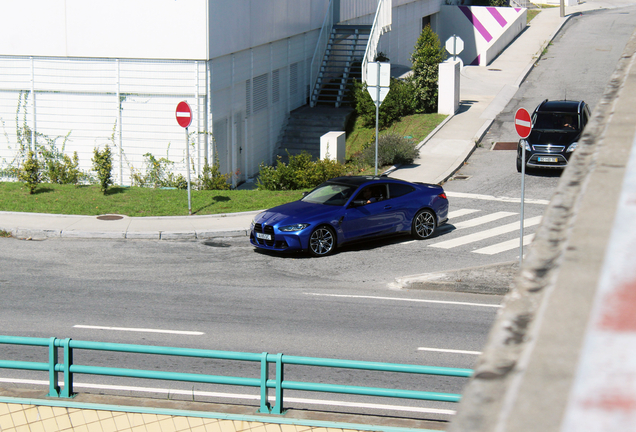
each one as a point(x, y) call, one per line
point(523, 126)
point(378, 86)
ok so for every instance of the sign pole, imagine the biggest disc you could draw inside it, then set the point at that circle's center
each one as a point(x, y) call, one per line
point(377, 116)
point(188, 170)
point(184, 118)
point(523, 125)
point(523, 188)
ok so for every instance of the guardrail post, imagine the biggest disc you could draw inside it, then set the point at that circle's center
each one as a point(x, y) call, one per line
point(265, 407)
point(54, 388)
point(278, 408)
point(68, 376)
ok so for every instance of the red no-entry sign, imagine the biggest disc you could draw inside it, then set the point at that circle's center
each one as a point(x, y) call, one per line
point(184, 114)
point(523, 124)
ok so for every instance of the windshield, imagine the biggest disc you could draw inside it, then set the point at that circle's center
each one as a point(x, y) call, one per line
point(556, 121)
point(330, 194)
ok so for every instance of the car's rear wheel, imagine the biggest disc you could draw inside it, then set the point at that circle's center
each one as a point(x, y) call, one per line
point(424, 224)
point(322, 241)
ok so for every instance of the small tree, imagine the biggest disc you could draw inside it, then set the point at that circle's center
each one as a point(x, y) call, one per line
point(426, 58)
point(103, 165)
point(30, 172)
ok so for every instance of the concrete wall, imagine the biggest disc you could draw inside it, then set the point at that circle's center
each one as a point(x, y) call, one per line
point(151, 29)
point(486, 31)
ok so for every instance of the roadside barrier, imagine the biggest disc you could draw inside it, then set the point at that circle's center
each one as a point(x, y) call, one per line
point(279, 384)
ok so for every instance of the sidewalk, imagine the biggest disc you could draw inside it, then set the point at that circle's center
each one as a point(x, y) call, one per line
point(485, 91)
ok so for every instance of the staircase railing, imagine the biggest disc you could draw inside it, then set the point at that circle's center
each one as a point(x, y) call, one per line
point(381, 24)
point(321, 46)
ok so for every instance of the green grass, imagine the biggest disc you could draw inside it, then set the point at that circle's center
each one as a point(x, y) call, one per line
point(135, 201)
point(417, 126)
point(531, 13)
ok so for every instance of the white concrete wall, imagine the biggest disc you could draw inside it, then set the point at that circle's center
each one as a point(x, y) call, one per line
point(486, 31)
point(162, 29)
point(151, 29)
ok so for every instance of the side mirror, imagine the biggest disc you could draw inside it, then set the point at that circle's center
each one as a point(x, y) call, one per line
point(358, 203)
point(305, 194)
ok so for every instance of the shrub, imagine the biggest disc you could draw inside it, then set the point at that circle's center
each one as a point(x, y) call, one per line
point(157, 174)
point(63, 170)
point(426, 58)
point(399, 102)
point(392, 149)
point(30, 172)
point(299, 173)
point(211, 178)
point(103, 166)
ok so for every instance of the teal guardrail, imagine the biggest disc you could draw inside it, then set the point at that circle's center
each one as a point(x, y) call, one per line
point(68, 368)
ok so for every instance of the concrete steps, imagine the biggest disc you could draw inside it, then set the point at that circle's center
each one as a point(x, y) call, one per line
point(305, 127)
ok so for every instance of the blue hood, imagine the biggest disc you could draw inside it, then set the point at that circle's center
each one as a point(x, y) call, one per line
point(296, 212)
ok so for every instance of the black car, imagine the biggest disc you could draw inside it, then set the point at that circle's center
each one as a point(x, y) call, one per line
point(556, 129)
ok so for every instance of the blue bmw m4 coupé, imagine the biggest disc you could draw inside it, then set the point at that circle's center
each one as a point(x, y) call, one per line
point(346, 209)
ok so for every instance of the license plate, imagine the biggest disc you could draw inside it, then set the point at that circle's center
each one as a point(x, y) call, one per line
point(548, 159)
point(264, 236)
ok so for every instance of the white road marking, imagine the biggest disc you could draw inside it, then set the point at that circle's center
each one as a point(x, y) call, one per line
point(482, 235)
point(237, 396)
point(449, 351)
point(504, 246)
point(142, 330)
point(461, 212)
point(483, 219)
point(494, 198)
point(407, 300)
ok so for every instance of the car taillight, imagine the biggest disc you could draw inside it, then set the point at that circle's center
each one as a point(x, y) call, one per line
point(442, 195)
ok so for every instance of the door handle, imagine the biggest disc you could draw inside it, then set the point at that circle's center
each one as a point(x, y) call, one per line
point(387, 207)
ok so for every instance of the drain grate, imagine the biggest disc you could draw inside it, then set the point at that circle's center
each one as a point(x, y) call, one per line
point(505, 145)
point(110, 217)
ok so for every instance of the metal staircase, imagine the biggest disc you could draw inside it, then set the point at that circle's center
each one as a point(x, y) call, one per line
point(341, 63)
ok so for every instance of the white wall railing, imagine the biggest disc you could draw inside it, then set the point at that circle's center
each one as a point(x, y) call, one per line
point(321, 46)
point(381, 24)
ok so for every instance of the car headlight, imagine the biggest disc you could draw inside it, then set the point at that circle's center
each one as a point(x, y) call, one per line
point(572, 147)
point(294, 227)
point(525, 143)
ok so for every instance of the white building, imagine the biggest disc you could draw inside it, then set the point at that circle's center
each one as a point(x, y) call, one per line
point(86, 73)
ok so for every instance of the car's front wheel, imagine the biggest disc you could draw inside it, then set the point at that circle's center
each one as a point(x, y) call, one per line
point(518, 164)
point(424, 224)
point(322, 241)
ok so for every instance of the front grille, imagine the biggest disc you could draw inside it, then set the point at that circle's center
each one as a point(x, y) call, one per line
point(267, 229)
point(549, 148)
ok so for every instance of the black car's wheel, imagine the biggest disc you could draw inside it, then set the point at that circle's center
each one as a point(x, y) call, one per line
point(424, 224)
point(322, 241)
point(518, 164)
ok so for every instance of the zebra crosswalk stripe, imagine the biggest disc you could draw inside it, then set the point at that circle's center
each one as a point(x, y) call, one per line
point(482, 235)
point(483, 219)
point(504, 246)
point(460, 213)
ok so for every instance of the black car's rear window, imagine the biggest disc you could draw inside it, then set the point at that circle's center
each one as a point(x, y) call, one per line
point(398, 189)
point(330, 194)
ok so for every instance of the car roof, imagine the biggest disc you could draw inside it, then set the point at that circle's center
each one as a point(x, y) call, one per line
point(560, 106)
point(359, 180)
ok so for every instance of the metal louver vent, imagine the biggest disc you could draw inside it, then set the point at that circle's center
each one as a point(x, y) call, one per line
point(248, 98)
point(293, 78)
point(260, 93)
point(276, 86)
